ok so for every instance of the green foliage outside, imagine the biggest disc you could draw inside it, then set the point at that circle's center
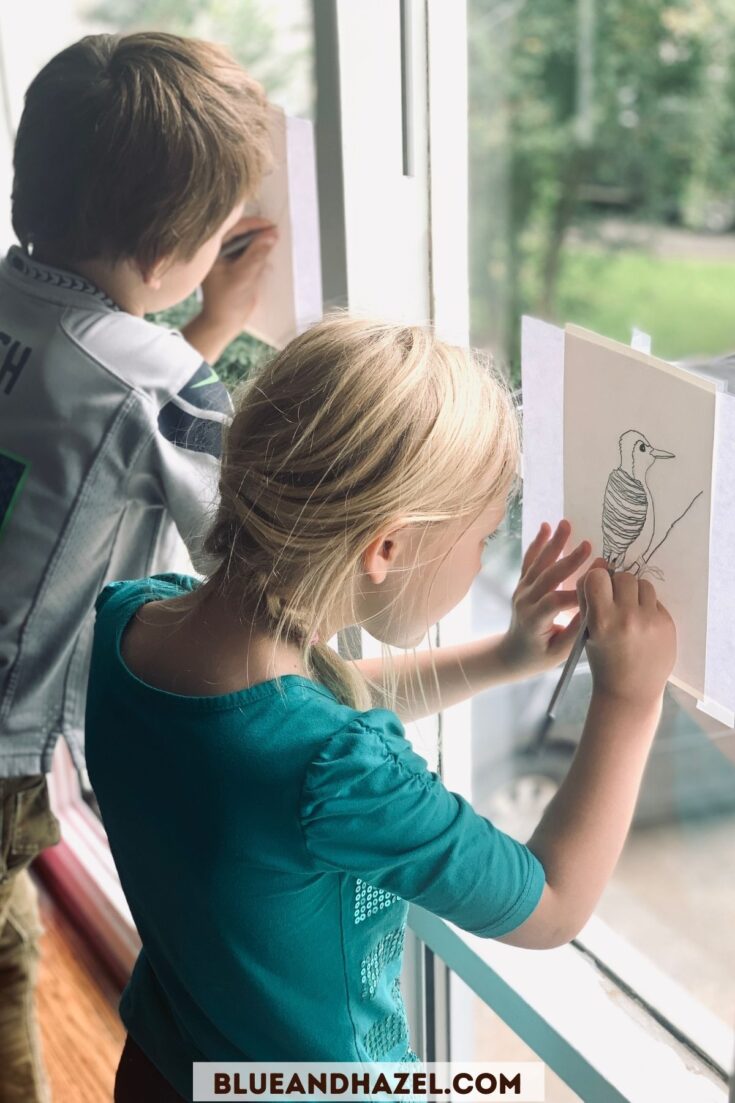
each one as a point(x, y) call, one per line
point(580, 109)
point(686, 305)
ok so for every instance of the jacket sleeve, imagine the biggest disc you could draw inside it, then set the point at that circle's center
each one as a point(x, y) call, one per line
point(182, 457)
point(370, 807)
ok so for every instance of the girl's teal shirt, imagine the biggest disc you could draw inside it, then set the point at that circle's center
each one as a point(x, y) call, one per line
point(268, 844)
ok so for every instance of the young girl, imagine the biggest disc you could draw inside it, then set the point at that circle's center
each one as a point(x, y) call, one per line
point(268, 817)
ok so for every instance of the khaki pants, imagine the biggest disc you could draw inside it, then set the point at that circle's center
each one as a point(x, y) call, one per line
point(27, 826)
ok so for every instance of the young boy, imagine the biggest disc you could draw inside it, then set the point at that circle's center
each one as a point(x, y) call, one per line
point(133, 158)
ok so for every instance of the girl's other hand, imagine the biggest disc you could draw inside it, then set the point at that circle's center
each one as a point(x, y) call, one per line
point(533, 642)
point(631, 647)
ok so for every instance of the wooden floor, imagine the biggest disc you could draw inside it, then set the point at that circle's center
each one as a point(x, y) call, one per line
point(77, 1009)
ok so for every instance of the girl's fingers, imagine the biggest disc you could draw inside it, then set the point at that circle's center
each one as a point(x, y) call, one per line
point(550, 578)
point(550, 552)
point(625, 588)
point(562, 641)
point(598, 591)
point(535, 546)
point(647, 594)
point(581, 598)
point(554, 602)
point(598, 562)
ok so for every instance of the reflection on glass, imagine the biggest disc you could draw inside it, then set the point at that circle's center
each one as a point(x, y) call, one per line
point(601, 158)
point(491, 1039)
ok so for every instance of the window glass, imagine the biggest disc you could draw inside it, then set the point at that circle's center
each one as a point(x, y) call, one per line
point(487, 1038)
point(602, 147)
point(601, 151)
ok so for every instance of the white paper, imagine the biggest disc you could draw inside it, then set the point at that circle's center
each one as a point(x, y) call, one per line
point(290, 297)
point(543, 351)
point(542, 367)
point(638, 457)
point(720, 678)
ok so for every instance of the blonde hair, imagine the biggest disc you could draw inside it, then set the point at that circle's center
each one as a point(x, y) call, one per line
point(154, 138)
point(355, 424)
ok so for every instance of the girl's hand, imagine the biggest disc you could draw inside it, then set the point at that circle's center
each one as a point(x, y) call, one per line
point(533, 642)
point(632, 638)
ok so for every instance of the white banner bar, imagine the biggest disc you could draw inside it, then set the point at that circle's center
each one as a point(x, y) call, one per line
point(471, 1081)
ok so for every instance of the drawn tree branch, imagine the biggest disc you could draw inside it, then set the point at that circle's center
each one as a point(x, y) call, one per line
point(647, 557)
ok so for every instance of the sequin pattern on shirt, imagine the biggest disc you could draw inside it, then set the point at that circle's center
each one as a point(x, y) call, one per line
point(369, 899)
point(383, 1036)
point(372, 966)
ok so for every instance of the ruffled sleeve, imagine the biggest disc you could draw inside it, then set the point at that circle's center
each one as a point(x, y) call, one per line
point(371, 807)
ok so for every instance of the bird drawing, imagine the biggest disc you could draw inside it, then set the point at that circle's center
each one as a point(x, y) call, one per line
point(628, 512)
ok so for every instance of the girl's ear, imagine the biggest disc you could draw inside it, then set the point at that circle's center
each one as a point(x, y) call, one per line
point(379, 556)
point(376, 558)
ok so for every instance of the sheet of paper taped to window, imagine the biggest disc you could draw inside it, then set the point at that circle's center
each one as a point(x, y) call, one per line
point(542, 351)
point(290, 289)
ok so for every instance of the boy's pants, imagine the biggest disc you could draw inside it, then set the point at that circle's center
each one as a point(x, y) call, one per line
point(27, 825)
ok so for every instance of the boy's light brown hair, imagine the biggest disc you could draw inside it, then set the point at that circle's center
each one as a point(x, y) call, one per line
point(136, 146)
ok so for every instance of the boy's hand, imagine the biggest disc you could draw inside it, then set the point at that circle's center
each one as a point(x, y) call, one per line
point(230, 290)
point(533, 642)
point(632, 638)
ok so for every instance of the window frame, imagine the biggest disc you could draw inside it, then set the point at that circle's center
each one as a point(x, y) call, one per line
point(522, 987)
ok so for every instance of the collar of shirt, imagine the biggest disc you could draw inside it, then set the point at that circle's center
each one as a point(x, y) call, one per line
point(20, 265)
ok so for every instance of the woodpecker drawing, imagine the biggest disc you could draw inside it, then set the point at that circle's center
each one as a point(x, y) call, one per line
point(628, 513)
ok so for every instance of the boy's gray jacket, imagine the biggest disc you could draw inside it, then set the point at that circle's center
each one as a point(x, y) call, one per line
point(110, 436)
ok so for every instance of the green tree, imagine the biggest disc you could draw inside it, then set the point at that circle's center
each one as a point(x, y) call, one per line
point(655, 138)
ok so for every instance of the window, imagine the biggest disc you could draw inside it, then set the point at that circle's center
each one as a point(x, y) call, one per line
point(599, 194)
point(603, 133)
point(486, 1037)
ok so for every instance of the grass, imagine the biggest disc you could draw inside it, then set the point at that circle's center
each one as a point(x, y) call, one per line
point(687, 305)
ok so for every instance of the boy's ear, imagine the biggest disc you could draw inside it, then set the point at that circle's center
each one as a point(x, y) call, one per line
point(152, 274)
